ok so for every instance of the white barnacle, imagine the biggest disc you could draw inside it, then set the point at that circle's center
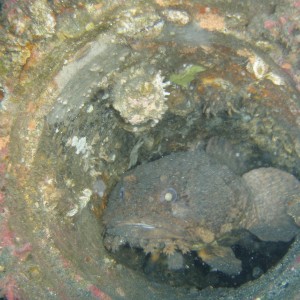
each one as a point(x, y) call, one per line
point(84, 198)
point(79, 144)
point(276, 79)
point(72, 212)
point(140, 96)
point(178, 17)
point(260, 68)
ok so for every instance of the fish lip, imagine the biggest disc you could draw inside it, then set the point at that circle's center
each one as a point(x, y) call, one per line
point(148, 230)
point(136, 224)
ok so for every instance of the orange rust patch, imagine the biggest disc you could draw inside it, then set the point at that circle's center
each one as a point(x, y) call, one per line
point(98, 208)
point(264, 92)
point(33, 57)
point(4, 142)
point(252, 89)
point(32, 125)
point(286, 66)
point(188, 50)
point(210, 80)
point(31, 107)
point(212, 22)
point(217, 77)
point(201, 9)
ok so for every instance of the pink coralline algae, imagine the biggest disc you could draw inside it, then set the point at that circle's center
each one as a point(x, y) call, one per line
point(297, 4)
point(9, 288)
point(270, 24)
point(284, 27)
point(23, 251)
point(6, 235)
point(98, 294)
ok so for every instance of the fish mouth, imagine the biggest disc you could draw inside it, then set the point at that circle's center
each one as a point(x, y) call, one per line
point(147, 229)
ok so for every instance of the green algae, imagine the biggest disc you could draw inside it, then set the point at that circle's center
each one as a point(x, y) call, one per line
point(185, 77)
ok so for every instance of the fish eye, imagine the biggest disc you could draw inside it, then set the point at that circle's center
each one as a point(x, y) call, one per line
point(168, 195)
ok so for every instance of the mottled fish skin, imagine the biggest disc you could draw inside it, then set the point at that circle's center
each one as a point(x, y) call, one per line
point(189, 201)
point(274, 192)
point(240, 157)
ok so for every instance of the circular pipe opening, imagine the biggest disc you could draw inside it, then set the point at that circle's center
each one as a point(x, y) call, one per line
point(144, 84)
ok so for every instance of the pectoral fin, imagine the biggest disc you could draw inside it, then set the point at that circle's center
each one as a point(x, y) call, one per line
point(221, 259)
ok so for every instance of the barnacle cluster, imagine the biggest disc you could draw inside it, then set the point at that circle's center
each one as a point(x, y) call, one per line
point(140, 96)
point(139, 23)
point(260, 69)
